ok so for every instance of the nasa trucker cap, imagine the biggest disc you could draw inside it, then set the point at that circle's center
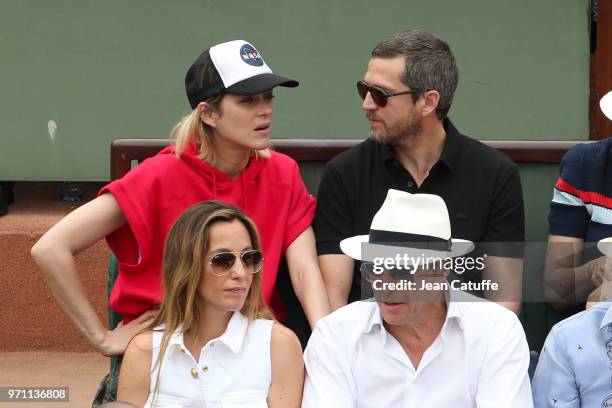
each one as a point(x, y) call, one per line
point(241, 69)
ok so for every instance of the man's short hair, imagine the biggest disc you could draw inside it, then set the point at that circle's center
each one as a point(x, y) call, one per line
point(429, 62)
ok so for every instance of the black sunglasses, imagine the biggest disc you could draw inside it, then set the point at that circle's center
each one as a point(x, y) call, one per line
point(368, 273)
point(379, 95)
point(221, 263)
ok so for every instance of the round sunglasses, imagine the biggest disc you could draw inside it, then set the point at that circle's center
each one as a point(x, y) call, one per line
point(221, 263)
point(379, 95)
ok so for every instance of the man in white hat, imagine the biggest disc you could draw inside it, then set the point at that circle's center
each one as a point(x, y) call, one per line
point(407, 92)
point(580, 215)
point(422, 342)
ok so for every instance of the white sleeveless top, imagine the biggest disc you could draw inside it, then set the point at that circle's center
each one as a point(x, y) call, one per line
point(233, 371)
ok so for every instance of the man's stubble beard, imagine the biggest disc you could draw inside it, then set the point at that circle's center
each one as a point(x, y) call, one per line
point(411, 128)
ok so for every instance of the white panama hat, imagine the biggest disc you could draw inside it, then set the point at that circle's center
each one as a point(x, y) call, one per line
point(414, 224)
point(605, 246)
point(603, 293)
point(606, 105)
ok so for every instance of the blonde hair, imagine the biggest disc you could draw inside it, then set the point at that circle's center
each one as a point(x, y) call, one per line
point(191, 129)
point(183, 264)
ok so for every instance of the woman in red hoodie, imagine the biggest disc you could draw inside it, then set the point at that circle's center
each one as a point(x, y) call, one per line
point(220, 152)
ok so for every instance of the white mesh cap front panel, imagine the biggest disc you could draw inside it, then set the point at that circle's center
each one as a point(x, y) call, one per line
point(236, 61)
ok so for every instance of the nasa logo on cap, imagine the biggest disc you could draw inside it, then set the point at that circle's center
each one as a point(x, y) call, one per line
point(251, 56)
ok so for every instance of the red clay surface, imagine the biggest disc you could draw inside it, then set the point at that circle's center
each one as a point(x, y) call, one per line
point(39, 346)
point(80, 372)
point(30, 319)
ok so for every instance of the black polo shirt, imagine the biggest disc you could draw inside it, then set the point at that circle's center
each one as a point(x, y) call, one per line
point(480, 185)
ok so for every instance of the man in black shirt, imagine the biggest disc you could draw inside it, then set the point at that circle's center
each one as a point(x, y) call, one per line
point(407, 92)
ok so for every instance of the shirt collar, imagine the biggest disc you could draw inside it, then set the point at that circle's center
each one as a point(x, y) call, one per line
point(235, 333)
point(387, 152)
point(233, 337)
point(450, 152)
point(452, 312)
point(374, 319)
point(176, 341)
point(607, 319)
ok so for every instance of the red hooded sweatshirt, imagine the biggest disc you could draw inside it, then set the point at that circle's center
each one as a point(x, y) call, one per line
point(155, 193)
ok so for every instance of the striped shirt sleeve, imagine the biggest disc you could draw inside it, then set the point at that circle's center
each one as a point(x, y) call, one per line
point(569, 215)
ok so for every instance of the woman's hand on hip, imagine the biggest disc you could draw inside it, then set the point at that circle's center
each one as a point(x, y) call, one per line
point(116, 341)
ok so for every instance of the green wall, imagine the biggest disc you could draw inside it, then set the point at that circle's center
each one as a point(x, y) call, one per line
point(115, 69)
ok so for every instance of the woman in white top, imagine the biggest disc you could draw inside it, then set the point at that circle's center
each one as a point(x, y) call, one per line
point(214, 342)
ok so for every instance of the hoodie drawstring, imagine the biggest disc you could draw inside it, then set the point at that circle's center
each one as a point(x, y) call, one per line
point(244, 195)
point(214, 186)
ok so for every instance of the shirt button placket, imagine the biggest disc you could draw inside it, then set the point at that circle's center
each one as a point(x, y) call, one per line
point(204, 379)
point(205, 353)
point(204, 363)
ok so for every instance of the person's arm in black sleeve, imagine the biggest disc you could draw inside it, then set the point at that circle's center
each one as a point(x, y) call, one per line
point(333, 222)
point(504, 241)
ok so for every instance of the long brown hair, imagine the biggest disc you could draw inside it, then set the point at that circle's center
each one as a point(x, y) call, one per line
point(184, 259)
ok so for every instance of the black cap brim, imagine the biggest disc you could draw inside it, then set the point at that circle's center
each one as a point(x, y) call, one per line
point(260, 83)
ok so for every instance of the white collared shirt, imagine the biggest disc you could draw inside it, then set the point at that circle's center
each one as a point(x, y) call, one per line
point(233, 370)
point(479, 359)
